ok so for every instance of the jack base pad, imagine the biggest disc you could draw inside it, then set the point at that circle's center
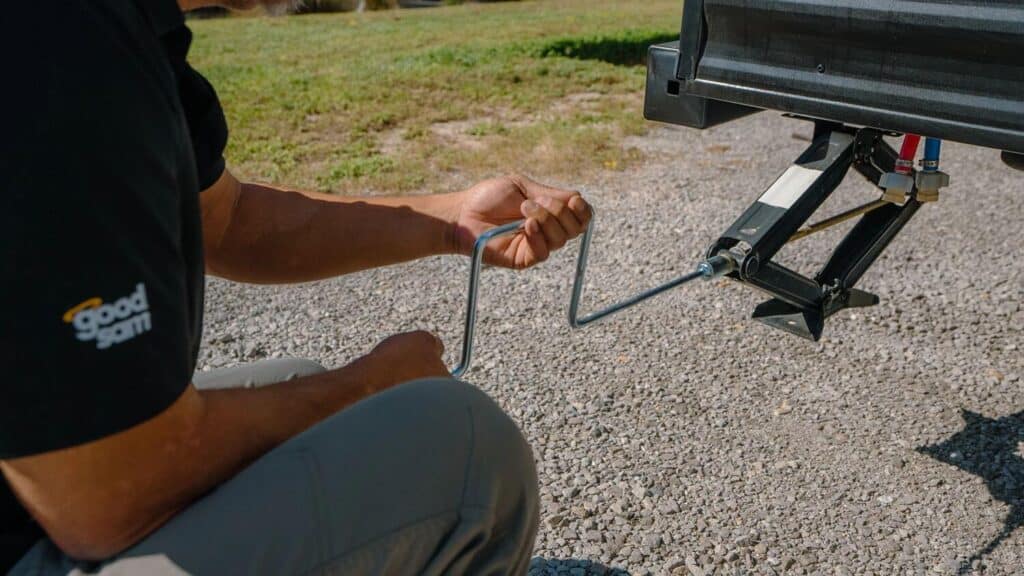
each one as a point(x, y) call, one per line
point(805, 322)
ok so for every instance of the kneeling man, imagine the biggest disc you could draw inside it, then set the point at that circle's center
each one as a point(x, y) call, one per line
point(116, 458)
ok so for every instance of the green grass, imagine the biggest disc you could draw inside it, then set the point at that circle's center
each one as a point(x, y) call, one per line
point(400, 101)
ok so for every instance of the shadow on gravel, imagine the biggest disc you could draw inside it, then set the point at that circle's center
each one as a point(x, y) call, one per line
point(989, 449)
point(570, 567)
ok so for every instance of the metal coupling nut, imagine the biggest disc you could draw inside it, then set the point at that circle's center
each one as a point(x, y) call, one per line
point(928, 185)
point(716, 266)
point(897, 187)
point(932, 180)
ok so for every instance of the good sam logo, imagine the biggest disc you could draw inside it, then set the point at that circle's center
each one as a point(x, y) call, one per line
point(113, 323)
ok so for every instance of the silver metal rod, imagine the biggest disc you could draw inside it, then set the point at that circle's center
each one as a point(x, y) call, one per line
point(476, 264)
point(581, 271)
point(710, 268)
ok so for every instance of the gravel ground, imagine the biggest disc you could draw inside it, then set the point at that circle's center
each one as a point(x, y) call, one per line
point(682, 438)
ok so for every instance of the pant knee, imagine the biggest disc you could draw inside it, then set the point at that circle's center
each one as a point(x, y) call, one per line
point(433, 448)
point(498, 451)
point(502, 474)
point(450, 427)
point(494, 432)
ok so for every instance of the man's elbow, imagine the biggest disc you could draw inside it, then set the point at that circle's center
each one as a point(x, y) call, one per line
point(97, 499)
point(91, 543)
point(98, 536)
point(86, 525)
point(218, 205)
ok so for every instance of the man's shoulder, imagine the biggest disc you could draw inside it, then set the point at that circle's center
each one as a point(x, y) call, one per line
point(86, 77)
point(35, 31)
point(88, 52)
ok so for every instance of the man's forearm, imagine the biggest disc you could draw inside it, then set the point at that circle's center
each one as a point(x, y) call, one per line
point(271, 235)
point(97, 499)
point(269, 415)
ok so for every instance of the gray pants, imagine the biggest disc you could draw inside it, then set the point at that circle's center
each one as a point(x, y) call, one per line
point(430, 477)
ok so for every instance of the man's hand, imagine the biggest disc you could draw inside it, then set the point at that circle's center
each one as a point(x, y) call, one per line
point(553, 218)
point(409, 356)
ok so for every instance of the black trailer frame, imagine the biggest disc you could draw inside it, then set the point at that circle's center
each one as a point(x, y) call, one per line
point(949, 69)
point(859, 69)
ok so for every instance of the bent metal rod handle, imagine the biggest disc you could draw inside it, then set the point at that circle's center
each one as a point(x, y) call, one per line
point(710, 268)
point(576, 321)
point(476, 264)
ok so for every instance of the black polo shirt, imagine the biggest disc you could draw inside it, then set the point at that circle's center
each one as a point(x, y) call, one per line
point(108, 138)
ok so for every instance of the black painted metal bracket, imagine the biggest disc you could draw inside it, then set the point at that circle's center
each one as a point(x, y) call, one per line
point(800, 305)
point(666, 98)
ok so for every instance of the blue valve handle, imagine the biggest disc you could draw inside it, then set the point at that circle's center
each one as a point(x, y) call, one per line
point(932, 150)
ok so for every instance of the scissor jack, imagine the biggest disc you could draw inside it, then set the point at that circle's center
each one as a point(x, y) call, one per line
point(744, 253)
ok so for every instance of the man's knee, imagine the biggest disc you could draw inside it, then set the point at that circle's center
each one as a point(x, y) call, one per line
point(499, 499)
point(449, 438)
point(430, 474)
point(500, 474)
point(498, 446)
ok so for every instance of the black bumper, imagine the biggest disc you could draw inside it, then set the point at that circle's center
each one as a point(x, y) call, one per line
point(947, 69)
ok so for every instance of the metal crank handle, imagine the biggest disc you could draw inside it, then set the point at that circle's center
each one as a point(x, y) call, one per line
point(475, 266)
point(713, 267)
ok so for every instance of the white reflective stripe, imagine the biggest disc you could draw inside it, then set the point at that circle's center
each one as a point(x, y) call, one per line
point(789, 187)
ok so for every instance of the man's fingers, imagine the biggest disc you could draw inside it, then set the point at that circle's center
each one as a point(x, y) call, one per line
point(532, 227)
point(553, 217)
point(438, 344)
point(564, 214)
point(429, 339)
point(573, 200)
point(554, 233)
point(533, 190)
point(536, 249)
point(581, 209)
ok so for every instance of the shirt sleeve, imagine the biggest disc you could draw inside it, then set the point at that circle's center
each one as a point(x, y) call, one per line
point(203, 112)
point(95, 332)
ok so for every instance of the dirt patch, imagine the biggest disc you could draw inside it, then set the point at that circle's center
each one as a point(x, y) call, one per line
point(392, 141)
point(460, 133)
point(575, 102)
point(467, 134)
point(521, 140)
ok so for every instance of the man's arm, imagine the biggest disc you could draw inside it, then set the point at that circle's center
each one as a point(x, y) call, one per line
point(261, 234)
point(99, 498)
